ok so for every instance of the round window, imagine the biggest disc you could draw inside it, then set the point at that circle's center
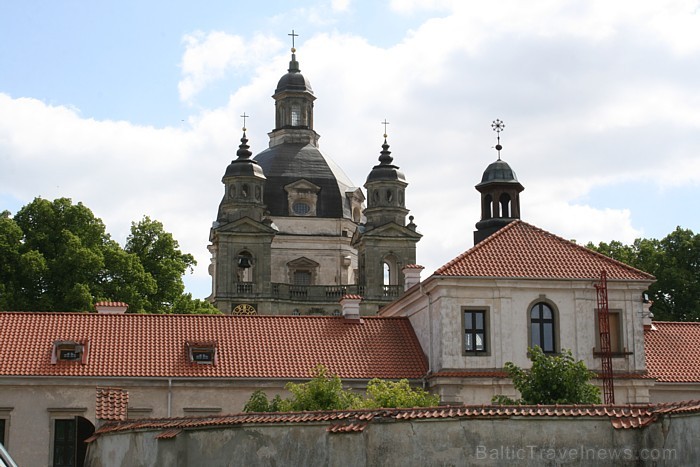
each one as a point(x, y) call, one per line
point(301, 209)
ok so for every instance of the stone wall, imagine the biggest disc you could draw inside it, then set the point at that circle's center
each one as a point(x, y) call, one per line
point(404, 441)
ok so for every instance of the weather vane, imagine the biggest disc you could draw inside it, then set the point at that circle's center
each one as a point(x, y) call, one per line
point(385, 123)
point(498, 126)
point(244, 116)
point(293, 36)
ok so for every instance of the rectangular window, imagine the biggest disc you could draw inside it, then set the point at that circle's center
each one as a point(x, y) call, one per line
point(2, 431)
point(475, 331)
point(302, 277)
point(615, 326)
point(64, 441)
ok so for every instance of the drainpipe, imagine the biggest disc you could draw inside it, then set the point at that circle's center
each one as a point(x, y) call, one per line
point(170, 396)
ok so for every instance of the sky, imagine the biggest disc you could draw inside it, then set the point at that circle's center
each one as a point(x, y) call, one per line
point(133, 108)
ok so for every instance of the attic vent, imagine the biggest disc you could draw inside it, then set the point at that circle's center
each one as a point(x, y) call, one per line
point(70, 351)
point(203, 353)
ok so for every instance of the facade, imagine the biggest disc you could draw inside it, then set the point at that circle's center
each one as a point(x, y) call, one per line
point(292, 234)
point(522, 287)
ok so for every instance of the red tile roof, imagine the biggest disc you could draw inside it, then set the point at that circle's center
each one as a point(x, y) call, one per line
point(521, 250)
point(132, 345)
point(347, 421)
point(111, 403)
point(672, 352)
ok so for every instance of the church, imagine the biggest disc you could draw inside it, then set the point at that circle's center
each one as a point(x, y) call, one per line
point(293, 235)
point(309, 269)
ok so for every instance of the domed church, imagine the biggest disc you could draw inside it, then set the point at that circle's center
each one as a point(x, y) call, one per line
point(293, 234)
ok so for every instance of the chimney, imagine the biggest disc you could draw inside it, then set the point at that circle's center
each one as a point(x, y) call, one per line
point(111, 308)
point(411, 275)
point(351, 307)
point(647, 315)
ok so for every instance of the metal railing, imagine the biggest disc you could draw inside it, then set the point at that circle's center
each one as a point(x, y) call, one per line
point(319, 293)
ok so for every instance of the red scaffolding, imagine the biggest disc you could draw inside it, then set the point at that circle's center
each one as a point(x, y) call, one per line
point(604, 329)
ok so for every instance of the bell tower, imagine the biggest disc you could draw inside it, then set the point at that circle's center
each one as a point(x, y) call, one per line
point(241, 237)
point(500, 193)
point(385, 244)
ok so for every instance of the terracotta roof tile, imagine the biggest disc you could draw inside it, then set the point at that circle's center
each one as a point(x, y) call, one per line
point(113, 304)
point(111, 404)
point(521, 250)
point(350, 421)
point(133, 345)
point(672, 352)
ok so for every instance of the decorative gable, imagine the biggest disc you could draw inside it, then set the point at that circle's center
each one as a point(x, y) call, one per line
point(302, 197)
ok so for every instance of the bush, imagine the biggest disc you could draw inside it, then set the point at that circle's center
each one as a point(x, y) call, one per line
point(553, 379)
point(325, 392)
point(382, 393)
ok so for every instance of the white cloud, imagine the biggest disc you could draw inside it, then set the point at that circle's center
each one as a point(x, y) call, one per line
point(594, 94)
point(208, 57)
point(340, 5)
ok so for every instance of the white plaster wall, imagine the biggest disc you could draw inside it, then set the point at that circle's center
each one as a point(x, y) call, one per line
point(35, 402)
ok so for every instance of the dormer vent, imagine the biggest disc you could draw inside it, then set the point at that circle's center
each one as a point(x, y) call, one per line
point(203, 353)
point(70, 351)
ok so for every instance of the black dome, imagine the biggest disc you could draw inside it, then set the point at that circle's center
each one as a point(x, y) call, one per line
point(294, 81)
point(385, 170)
point(290, 162)
point(498, 171)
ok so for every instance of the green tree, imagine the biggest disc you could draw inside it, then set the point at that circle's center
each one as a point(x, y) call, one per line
point(553, 379)
point(186, 305)
point(675, 262)
point(57, 256)
point(325, 392)
point(383, 394)
point(259, 402)
point(160, 256)
point(61, 256)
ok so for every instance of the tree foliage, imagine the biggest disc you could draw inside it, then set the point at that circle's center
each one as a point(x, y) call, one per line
point(325, 392)
point(57, 256)
point(385, 394)
point(675, 262)
point(159, 254)
point(552, 379)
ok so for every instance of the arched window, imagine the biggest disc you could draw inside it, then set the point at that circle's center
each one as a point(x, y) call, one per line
point(296, 115)
point(504, 201)
point(244, 261)
point(542, 327)
point(387, 273)
point(486, 208)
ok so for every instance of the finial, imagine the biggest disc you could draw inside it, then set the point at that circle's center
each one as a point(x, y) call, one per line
point(385, 123)
point(293, 36)
point(384, 156)
point(293, 64)
point(243, 149)
point(498, 127)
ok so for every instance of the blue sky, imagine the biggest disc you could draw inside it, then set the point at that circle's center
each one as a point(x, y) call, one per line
point(133, 107)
